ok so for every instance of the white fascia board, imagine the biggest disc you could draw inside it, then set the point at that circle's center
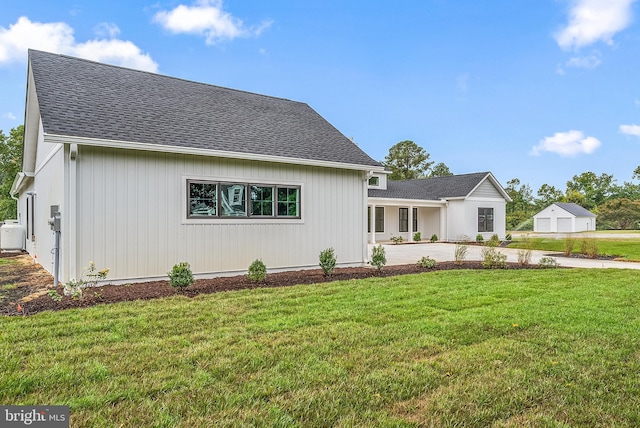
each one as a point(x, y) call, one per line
point(128, 145)
point(22, 178)
point(405, 202)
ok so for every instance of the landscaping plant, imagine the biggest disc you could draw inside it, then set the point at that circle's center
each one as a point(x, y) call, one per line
point(479, 238)
point(328, 261)
point(397, 239)
point(589, 248)
point(548, 263)
point(180, 276)
point(569, 242)
point(427, 263)
point(524, 253)
point(434, 238)
point(417, 237)
point(493, 259)
point(460, 253)
point(378, 257)
point(257, 271)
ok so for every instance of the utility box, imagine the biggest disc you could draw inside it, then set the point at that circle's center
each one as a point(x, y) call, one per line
point(12, 236)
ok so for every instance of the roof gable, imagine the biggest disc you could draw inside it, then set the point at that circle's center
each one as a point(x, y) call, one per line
point(437, 188)
point(80, 98)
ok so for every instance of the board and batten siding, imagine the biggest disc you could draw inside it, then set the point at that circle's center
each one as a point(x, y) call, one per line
point(132, 215)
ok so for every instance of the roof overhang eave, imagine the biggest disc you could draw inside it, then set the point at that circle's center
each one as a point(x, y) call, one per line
point(405, 202)
point(128, 145)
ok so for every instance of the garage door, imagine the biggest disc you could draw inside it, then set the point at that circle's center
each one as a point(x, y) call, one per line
point(544, 224)
point(564, 225)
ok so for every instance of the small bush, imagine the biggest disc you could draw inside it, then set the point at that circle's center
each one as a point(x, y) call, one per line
point(427, 263)
point(328, 261)
point(548, 263)
point(493, 259)
point(378, 257)
point(434, 238)
point(569, 242)
point(508, 237)
point(181, 276)
point(417, 237)
point(397, 239)
point(494, 240)
point(257, 271)
point(589, 248)
point(479, 238)
point(524, 253)
point(460, 253)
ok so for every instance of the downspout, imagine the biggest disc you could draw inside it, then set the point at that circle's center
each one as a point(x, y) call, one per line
point(71, 216)
point(365, 245)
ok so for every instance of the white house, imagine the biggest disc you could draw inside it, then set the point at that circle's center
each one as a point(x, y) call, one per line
point(141, 171)
point(564, 218)
point(148, 171)
point(455, 208)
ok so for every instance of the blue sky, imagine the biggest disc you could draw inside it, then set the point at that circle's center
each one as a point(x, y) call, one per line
point(539, 90)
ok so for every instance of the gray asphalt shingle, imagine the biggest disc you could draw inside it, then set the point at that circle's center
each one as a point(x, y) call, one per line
point(87, 99)
point(430, 189)
point(575, 209)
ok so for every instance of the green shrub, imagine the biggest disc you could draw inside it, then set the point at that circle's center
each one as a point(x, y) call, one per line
point(434, 238)
point(589, 248)
point(181, 276)
point(508, 237)
point(89, 278)
point(479, 238)
point(548, 263)
point(569, 242)
point(427, 263)
point(494, 240)
point(417, 237)
point(460, 253)
point(378, 257)
point(397, 239)
point(493, 259)
point(257, 271)
point(328, 261)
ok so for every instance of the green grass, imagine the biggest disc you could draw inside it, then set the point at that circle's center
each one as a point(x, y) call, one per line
point(623, 248)
point(450, 348)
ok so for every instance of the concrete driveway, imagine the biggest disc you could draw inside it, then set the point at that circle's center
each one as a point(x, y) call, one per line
point(410, 253)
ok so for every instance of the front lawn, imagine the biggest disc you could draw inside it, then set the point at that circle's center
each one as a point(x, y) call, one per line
point(450, 348)
point(628, 249)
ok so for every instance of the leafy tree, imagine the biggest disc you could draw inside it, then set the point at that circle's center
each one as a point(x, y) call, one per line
point(619, 214)
point(440, 170)
point(521, 205)
point(407, 160)
point(575, 197)
point(10, 165)
point(636, 173)
point(595, 189)
point(547, 195)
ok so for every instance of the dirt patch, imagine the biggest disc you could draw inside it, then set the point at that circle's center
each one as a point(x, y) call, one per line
point(20, 278)
point(32, 293)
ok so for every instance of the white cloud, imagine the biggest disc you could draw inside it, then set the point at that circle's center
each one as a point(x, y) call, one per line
point(592, 21)
point(589, 61)
point(569, 143)
point(633, 130)
point(107, 29)
point(10, 116)
point(207, 18)
point(58, 37)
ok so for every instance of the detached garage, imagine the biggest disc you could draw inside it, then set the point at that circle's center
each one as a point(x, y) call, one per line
point(563, 217)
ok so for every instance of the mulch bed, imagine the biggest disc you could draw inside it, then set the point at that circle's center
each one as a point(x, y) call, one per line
point(159, 289)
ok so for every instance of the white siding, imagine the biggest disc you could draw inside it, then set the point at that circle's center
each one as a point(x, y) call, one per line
point(486, 189)
point(429, 222)
point(48, 185)
point(462, 218)
point(132, 206)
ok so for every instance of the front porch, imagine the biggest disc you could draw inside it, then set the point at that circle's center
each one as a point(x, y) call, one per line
point(388, 218)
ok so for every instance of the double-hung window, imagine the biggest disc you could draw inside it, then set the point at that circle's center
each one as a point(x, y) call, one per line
point(403, 219)
point(485, 219)
point(209, 199)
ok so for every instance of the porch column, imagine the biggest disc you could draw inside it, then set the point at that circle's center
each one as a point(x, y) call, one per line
point(410, 226)
point(373, 224)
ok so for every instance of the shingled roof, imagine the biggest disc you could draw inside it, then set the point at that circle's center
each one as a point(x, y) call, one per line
point(575, 209)
point(431, 189)
point(80, 98)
